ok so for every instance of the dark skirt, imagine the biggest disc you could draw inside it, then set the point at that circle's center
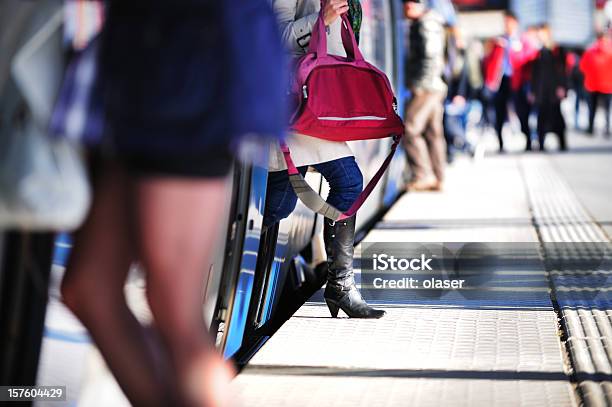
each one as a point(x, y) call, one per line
point(172, 74)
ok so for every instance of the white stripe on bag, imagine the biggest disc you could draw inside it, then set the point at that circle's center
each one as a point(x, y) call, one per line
point(352, 118)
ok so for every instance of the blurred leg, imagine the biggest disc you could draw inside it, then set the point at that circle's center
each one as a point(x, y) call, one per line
point(488, 110)
point(542, 125)
point(594, 101)
point(523, 109)
point(607, 101)
point(559, 125)
point(178, 224)
point(449, 135)
point(417, 115)
point(435, 141)
point(466, 146)
point(577, 108)
point(501, 110)
point(93, 289)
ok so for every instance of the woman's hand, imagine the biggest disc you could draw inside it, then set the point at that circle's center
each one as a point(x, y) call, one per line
point(334, 9)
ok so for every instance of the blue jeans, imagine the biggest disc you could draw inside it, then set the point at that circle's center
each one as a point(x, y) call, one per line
point(345, 183)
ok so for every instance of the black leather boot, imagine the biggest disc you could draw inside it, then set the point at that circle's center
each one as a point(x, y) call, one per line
point(341, 292)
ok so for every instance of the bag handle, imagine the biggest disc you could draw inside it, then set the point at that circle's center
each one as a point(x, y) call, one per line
point(313, 200)
point(318, 38)
point(350, 43)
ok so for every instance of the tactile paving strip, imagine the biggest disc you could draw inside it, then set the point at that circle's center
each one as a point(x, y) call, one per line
point(582, 294)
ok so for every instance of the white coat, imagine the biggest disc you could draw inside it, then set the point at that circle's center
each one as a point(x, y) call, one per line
point(297, 19)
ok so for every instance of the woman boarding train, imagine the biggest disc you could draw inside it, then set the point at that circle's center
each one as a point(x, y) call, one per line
point(334, 160)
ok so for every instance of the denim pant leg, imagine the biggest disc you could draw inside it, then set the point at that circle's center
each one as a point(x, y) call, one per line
point(280, 197)
point(345, 181)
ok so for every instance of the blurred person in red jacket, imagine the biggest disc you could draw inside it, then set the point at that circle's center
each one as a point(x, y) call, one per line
point(595, 65)
point(507, 71)
point(549, 87)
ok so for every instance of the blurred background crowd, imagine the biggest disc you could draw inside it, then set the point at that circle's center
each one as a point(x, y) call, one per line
point(516, 62)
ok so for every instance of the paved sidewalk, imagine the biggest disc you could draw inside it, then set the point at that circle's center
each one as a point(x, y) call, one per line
point(502, 342)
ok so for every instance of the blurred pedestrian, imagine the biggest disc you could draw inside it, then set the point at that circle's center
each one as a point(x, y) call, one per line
point(457, 103)
point(549, 87)
point(576, 83)
point(595, 65)
point(334, 160)
point(507, 72)
point(169, 72)
point(424, 141)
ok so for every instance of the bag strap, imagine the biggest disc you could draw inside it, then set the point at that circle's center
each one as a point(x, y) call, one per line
point(318, 38)
point(349, 40)
point(313, 200)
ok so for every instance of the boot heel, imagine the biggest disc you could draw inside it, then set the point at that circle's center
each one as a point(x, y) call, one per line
point(333, 308)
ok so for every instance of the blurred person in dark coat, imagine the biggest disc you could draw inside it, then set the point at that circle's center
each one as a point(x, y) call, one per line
point(549, 87)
